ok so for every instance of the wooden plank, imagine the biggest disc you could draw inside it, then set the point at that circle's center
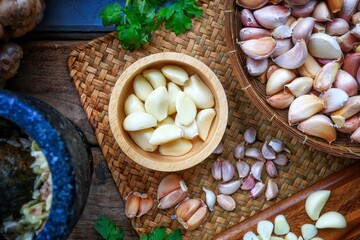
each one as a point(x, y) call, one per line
point(344, 198)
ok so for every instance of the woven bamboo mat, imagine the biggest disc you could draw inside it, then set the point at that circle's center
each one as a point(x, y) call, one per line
point(96, 66)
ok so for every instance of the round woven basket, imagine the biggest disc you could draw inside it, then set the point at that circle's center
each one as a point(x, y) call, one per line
point(255, 90)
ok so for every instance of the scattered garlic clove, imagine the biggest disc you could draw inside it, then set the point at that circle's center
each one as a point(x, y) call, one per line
point(197, 219)
point(281, 160)
point(133, 104)
point(346, 82)
point(322, 45)
point(173, 198)
point(293, 58)
point(256, 67)
point(303, 10)
point(256, 170)
point(216, 169)
point(278, 146)
point(281, 32)
point(291, 236)
point(155, 77)
point(281, 226)
point(351, 107)
point(185, 108)
point(278, 80)
point(239, 151)
point(326, 76)
point(167, 120)
point(251, 4)
point(190, 131)
point(168, 184)
point(315, 203)
point(229, 187)
point(321, 12)
point(138, 121)
point(249, 183)
point(335, 99)
point(132, 203)
point(173, 89)
point(280, 100)
point(248, 33)
point(145, 205)
point(186, 209)
point(271, 169)
point(166, 133)
point(303, 29)
point(348, 9)
point(142, 137)
point(142, 87)
point(175, 74)
point(355, 136)
point(248, 19)
point(227, 171)
point(157, 103)
point(210, 198)
point(268, 152)
point(272, 191)
point(176, 148)
point(250, 236)
point(265, 229)
point(219, 149)
point(250, 135)
point(257, 190)
point(319, 126)
point(243, 168)
point(254, 153)
point(199, 92)
point(272, 16)
point(331, 220)
point(299, 86)
point(204, 119)
point(258, 49)
point(350, 125)
point(226, 202)
point(282, 46)
point(308, 231)
point(304, 107)
point(335, 5)
point(310, 68)
point(337, 27)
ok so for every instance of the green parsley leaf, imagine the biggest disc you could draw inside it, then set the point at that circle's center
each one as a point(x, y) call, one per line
point(107, 229)
point(175, 235)
point(111, 14)
point(159, 233)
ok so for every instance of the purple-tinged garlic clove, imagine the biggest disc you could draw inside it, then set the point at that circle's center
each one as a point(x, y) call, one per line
point(272, 16)
point(173, 198)
point(346, 82)
point(243, 168)
point(254, 153)
point(145, 205)
point(226, 202)
point(272, 190)
point(303, 29)
point(355, 136)
point(247, 18)
point(281, 32)
point(347, 42)
point(282, 46)
point(293, 58)
point(168, 184)
point(249, 33)
point(257, 190)
point(268, 152)
point(278, 145)
point(251, 4)
point(337, 27)
point(281, 159)
point(326, 76)
point(352, 64)
point(271, 169)
point(321, 12)
point(348, 9)
point(250, 135)
point(132, 203)
point(350, 125)
point(303, 10)
point(210, 198)
point(351, 107)
point(249, 183)
point(281, 100)
point(239, 151)
point(319, 126)
point(256, 170)
point(216, 169)
point(229, 187)
point(187, 208)
point(256, 67)
point(335, 99)
point(356, 31)
point(304, 107)
point(219, 149)
point(227, 171)
point(260, 48)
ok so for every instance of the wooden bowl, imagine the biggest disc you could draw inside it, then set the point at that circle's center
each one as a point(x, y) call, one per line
point(255, 90)
point(154, 160)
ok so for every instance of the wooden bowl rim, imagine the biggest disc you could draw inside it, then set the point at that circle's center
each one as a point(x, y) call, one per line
point(204, 152)
point(261, 104)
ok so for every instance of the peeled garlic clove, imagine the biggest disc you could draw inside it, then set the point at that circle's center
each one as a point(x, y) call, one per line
point(271, 169)
point(254, 153)
point(190, 131)
point(281, 32)
point(168, 184)
point(321, 12)
point(249, 183)
point(132, 203)
point(271, 192)
point(251, 4)
point(337, 27)
point(265, 229)
point(355, 136)
point(276, 238)
point(199, 92)
point(175, 74)
point(155, 77)
point(142, 87)
point(250, 236)
point(277, 145)
point(303, 10)
point(331, 220)
point(197, 219)
point(138, 121)
point(176, 148)
point(248, 33)
point(308, 231)
point(315, 203)
point(172, 198)
point(335, 5)
point(210, 198)
point(250, 135)
point(310, 68)
point(186, 209)
point(185, 108)
point(304, 107)
point(239, 151)
point(347, 42)
point(278, 80)
point(248, 19)
point(145, 205)
point(281, 160)
point(322, 45)
point(229, 187)
point(167, 120)
point(203, 120)
point(272, 16)
point(351, 64)
point(303, 29)
point(346, 82)
point(335, 99)
point(281, 226)
point(133, 104)
point(281, 100)
point(242, 168)
point(142, 137)
point(256, 170)
point(258, 49)
point(227, 171)
point(348, 9)
point(291, 236)
point(166, 133)
point(216, 169)
point(326, 76)
point(351, 107)
point(256, 67)
point(350, 125)
point(319, 126)
point(282, 46)
point(268, 152)
point(226, 202)
point(293, 58)
point(157, 103)
point(173, 90)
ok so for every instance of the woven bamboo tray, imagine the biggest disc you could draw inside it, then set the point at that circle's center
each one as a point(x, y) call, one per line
point(255, 90)
point(94, 69)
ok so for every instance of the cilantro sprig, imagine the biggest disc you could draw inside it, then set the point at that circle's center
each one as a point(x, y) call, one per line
point(108, 229)
point(159, 233)
point(136, 22)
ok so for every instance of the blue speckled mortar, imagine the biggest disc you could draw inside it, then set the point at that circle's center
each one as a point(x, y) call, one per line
point(68, 156)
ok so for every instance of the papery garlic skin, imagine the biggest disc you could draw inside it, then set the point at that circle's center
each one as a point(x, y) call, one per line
point(157, 103)
point(142, 137)
point(145, 205)
point(197, 219)
point(155, 77)
point(142, 87)
point(133, 104)
point(248, 33)
point(132, 203)
point(256, 67)
point(138, 121)
point(199, 92)
point(186, 209)
point(168, 184)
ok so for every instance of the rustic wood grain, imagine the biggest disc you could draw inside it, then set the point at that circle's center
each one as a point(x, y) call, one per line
point(44, 75)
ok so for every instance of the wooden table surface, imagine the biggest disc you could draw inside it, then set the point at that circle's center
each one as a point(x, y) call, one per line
point(44, 74)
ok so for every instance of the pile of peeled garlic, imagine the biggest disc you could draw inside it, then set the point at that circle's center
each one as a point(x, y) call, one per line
point(167, 110)
point(307, 53)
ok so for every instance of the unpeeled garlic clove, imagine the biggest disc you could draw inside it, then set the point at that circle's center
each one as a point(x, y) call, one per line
point(351, 107)
point(268, 152)
point(173, 90)
point(303, 29)
point(142, 137)
point(155, 77)
point(190, 131)
point(319, 28)
point(138, 121)
point(310, 67)
point(271, 169)
point(355, 136)
point(321, 12)
point(322, 45)
point(281, 100)
point(132, 203)
point(278, 146)
point(145, 205)
point(219, 149)
point(226, 202)
point(281, 160)
point(248, 33)
point(348, 9)
point(355, 19)
point(199, 92)
point(272, 190)
point(293, 58)
point(251, 4)
point(249, 183)
point(242, 168)
point(281, 32)
point(166, 133)
point(335, 5)
point(326, 76)
point(157, 103)
point(278, 80)
point(254, 153)
point(337, 27)
point(250, 135)
point(260, 48)
point(185, 108)
point(346, 82)
point(256, 67)
point(197, 218)
point(351, 64)
point(142, 87)
point(186, 209)
point(350, 125)
point(175, 74)
point(347, 42)
point(227, 171)
point(229, 187)
point(335, 99)
point(210, 198)
point(272, 16)
point(271, 70)
point(331, 220)
point(239, 151)
point(248, 19)
point(256, 170)
point(133, 104)
point(173, 198)
point(303, 10)
point(356, 31)
point(282, 46)
point(304, 107)
point(204, 119)
point(168, 184)
point(319, 126)
point(257, 190)
point(216, 169)
point(176, 148)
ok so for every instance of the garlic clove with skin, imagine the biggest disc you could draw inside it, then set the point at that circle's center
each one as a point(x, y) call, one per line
point(227, 171)
point(256, 67)
point(226, 202)
point(282, 46)
point(272, 16)
point(335, 99)
point(272, 191)
point(229, 187)
point(293, 58)
point(249, 183)
point(210, 198)
point(271, 169)
point(335, 5)
point(197, 218)
point(173, 198)
point(321, 12)
point(346, 82)
point(243, 168)
point(303, 29)
point(216, 169)
point(351, 107)
point(239, 151)
point(187, 208)
point(254, 153)
point(281, 100)
point(247, 18)
point(132, 203)
point(337, 27)
point(250, 135)
point(251, 4)
point(268, 152)
point(168, 184)
point(319, 126)
point(257, 190)
point(350, 125)
point(248, 33)
point(310, 67)
point(304, 107)
point(355, 136)
point(326, 76)
point(256, 170)
point(303, 10)
point(322, 45)
point(278, 80)
point(258, 49)
point(145, 205)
